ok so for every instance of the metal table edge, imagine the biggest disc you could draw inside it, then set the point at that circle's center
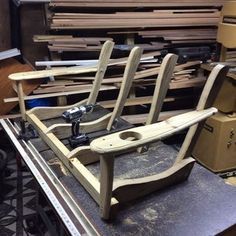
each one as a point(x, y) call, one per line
point(48, 178)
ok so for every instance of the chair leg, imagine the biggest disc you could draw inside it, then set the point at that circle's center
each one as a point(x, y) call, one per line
point(106, 184)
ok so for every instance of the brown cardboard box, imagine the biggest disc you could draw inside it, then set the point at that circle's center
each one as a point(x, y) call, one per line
point(216, 145)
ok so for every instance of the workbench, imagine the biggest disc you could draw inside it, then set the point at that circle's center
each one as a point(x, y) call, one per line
point(203, 205)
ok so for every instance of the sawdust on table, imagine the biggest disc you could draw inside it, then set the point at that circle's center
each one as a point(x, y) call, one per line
point(56, 161)
point(150, 214)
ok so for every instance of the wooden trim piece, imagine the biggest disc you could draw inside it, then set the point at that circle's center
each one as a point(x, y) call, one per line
point(131, 139)
point(106, 184)
point(49, 95)
point(141, 118)
point(129, 189)
point(161, 88)
point(54, 72)
point(162, 85)
point(21, 99)
point(207, 98)
point(101, 69)
point(129, 73)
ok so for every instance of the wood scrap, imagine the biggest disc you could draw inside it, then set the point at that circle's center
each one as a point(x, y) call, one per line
point(141, 118)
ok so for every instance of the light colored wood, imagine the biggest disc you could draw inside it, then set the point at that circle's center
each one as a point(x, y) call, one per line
point(129, 189)
point(54, 72)
point(102, 66)
point(190, 83)
point(141, 118)
point(86, 178)
point(134, 23)
point(46, 38)
point(21, 99)
point(162, 85)
point(137, 101)
point(105, 55)
point(161, 88)
point(84, 155)
point(66, 71)
point(62, 101)
point(106, 184)
point(56, 89)
point(203, 103)
point(129, 73)
point(49, 95)
point(130, 139)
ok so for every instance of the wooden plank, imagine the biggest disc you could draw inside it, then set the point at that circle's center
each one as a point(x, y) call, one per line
point(56, 89)
point(135, 101)
point(132, 23)
point(141, 118)
point(194, 82)
point(131, 67)
point(101, 70)
point(131, 139)
point(162, 85)
point(65, 18)
point(29, 97)
point(126, 190)
point(122, 4)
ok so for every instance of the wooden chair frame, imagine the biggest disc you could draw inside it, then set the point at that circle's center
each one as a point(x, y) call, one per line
point(83, 153)
point(112, 191)
point(102, 191)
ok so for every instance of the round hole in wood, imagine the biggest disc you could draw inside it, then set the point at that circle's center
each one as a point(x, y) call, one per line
point(130, 136)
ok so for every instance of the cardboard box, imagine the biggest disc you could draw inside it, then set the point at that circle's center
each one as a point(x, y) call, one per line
point(216, 145)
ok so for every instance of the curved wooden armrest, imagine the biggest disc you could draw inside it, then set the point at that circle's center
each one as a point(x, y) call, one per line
point(132, 138)
point(54, 72)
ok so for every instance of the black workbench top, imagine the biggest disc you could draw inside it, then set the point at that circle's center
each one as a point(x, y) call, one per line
point(202, 205)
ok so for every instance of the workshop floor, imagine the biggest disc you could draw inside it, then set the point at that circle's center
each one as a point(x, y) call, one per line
point(19, 200)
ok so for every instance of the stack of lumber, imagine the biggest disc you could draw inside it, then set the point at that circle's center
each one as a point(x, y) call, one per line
point(81, 25)
point(156, 18)
point(131, 3)
point(181, 36)
point(78, 28)
point(184, 76)
point(69, 43)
